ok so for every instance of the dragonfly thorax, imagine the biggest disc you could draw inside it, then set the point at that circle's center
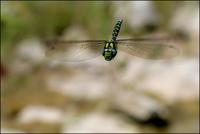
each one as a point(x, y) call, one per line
point(109, 51)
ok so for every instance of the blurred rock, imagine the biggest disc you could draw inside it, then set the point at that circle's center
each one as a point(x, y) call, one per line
point(170, 80)
point(140, 108)
point(28, 53)
point(185, 24)
point(40, 114)
point(86, 80)
point(75, 32)
point(145, 89)
point(83, 85)
point(31, 50)
point(100, 123)
point(186, 19)
point(137, 13)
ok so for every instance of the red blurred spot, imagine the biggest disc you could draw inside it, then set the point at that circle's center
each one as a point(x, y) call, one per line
point(3, 71)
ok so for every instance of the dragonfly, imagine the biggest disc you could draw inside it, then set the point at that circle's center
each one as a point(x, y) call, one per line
point(81, 50)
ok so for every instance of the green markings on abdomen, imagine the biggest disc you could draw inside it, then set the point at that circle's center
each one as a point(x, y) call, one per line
point(116, 30)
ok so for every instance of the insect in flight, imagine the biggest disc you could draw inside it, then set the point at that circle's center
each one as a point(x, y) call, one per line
point(80, 50)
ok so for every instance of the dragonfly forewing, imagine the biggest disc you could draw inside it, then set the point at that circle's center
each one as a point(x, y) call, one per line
point(74, 51)
point(149, 48)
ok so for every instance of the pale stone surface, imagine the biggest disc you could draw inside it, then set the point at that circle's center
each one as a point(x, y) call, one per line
point(40, 113)
point(175, 79)
point(136, 13)
point(32, 50)
point(138, 105)
point(100, 123)
point(79, 86)
point(186, 18)
point(28, 53)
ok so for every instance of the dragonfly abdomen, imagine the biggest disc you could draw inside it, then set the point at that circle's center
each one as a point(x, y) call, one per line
point(116, 30)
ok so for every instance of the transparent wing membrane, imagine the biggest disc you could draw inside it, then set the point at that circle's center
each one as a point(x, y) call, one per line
point(73, 51)
point(148, 48)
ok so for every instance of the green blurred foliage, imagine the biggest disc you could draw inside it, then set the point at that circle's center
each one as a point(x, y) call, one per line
point(49, 19)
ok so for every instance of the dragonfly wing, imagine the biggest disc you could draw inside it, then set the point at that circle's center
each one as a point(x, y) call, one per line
point(74, 51)
point(148, 48)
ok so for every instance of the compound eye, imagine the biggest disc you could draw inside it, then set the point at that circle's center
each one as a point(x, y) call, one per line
point(113, 50)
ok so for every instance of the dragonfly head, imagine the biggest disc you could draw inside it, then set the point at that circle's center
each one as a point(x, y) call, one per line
point(109, 51)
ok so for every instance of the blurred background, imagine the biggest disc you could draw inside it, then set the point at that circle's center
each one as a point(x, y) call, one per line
point(128, 94)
